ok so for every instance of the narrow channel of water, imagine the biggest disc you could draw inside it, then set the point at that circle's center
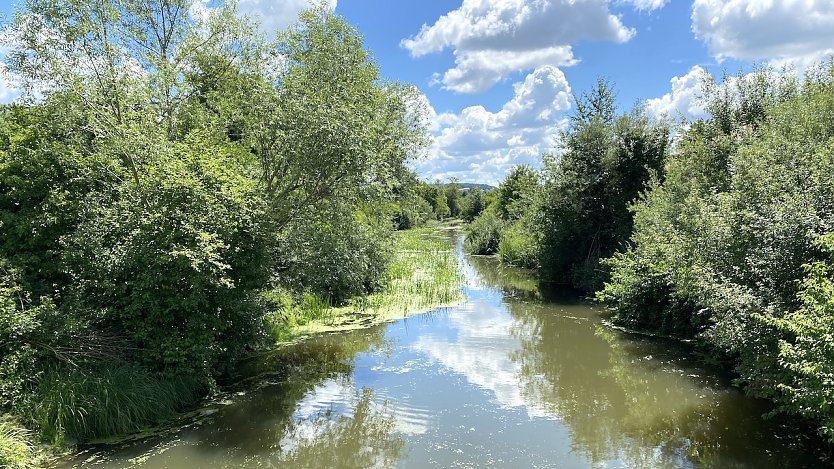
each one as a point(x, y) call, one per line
point(511, 378)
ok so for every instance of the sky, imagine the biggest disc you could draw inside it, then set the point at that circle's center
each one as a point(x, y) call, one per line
point(499, 76)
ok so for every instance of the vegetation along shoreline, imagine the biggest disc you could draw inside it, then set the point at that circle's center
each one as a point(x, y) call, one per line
point(180, 193)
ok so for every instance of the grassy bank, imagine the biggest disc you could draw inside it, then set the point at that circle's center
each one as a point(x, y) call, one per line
point(88, 405)
point(423, 274)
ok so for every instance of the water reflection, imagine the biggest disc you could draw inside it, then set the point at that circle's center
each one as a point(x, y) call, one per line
point(641, 402)
point(511, 378)
point(303, 412)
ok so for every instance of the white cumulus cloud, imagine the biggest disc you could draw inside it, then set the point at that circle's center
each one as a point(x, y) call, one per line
point(684, 101)
point(765, 29)
point(646, 5)
point(276, 15)
point(491, 39)
point(481, 146)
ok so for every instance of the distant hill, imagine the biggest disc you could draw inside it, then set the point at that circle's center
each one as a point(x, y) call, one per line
point(472, 185)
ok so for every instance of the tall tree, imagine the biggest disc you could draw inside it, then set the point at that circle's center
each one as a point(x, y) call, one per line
point(606, 164)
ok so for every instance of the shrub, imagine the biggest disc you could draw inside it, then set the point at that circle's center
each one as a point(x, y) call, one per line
point(473, 204)
point(334, 254)
point(805, 372)
point(518, 246)
point(719, 246)
point(484, 234)
point(171, 262)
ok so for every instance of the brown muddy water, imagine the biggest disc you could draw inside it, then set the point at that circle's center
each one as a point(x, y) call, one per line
point(510, 378)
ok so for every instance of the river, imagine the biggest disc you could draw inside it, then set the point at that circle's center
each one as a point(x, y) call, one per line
point(510, 378)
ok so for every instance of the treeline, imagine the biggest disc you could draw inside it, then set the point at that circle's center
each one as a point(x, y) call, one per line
point(721, 232)
point(175, 171)
point(439, 201)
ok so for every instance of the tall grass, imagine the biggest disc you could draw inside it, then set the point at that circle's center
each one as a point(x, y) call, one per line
point(424, 273)
point(111, 401)
point(16, 449)
point(286, 312)
point(518, 247)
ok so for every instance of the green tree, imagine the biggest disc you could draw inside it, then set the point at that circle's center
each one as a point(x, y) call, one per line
point(176, 165)
point(719, 246)
point(441, 208)
point(473, 204)
point(517, 192)
point(453, 198)
point(606, 164)
point(331, 130)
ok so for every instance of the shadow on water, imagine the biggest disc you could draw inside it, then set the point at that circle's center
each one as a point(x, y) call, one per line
point(511, 378)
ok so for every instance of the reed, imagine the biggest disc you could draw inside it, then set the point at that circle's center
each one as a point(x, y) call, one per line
point(86, 404)
point(16, 448)
point(424, 274)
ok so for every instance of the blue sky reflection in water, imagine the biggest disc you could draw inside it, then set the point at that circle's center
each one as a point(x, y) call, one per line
point(508, 379)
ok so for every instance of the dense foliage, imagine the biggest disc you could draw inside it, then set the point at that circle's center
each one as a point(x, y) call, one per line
point(491, 214)
point(724, 236)
point(564, 220)
point(606, 163)
point(734, 245)
point(172, 168)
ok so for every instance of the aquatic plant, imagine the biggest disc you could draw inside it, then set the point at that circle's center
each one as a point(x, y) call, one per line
point(85, 404)
point(16, 449)
point(423, 274)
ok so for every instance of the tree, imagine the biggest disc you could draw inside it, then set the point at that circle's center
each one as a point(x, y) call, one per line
point(452, 191)
point(330, 131)
point(174, 168)
point(517, 192)
point(441, 209)
point(473, 204)
point(733, 247)
point(122, 60)
point(606, 164)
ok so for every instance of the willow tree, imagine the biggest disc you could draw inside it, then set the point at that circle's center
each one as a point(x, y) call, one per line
point(329, 129)
point(125, 61)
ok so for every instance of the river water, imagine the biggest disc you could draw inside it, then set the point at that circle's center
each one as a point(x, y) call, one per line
point(511, 378)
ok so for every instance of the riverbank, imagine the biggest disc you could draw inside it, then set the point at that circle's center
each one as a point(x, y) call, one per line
point(507, 378)
point(423, 275)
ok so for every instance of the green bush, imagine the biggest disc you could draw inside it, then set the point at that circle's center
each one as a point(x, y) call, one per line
point(719, 246)
point(27, 330)
point(805, 375)
point(484, 234)
point(517, 192)
point(335, 254)
point(141, 213)
point(519, 246)
point(411, 212)
point(44, 177)
point(473, 204)
point(171, 263)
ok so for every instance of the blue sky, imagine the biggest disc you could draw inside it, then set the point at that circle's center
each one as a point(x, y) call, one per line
point(499, 74)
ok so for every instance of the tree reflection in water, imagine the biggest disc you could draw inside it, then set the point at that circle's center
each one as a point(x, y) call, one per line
point(365, 438)
point(264, 427)
point(640, 402)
